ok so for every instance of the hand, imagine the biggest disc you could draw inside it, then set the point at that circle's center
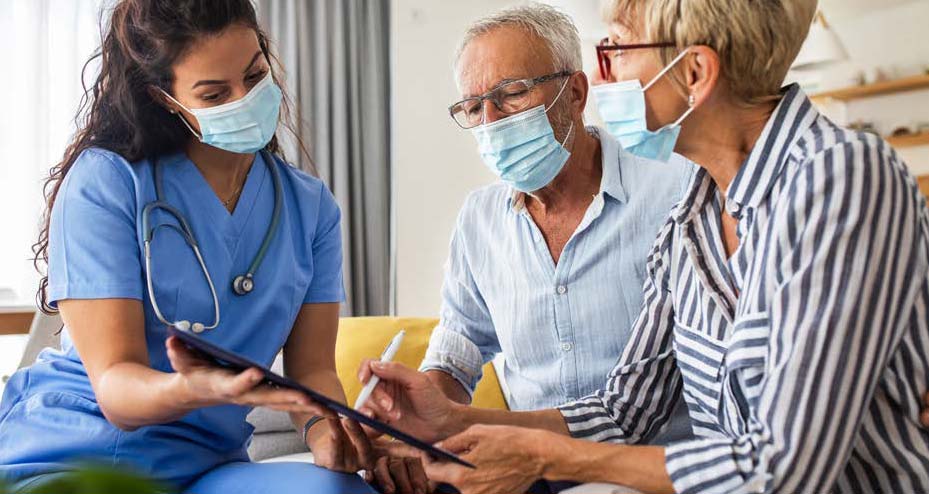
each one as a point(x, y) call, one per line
point(508, 459)
point(924, 417)
point(340, 445)
point(205, 384)
point(398, 470)
point(410, 401)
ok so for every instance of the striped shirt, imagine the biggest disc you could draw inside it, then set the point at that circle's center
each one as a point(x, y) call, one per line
point(802, 356)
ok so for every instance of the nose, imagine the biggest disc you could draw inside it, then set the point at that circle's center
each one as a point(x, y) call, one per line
point(491, 113)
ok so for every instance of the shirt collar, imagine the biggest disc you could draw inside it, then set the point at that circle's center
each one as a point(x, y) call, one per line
point(611, 182)
point(752, 184)
point(791, 119)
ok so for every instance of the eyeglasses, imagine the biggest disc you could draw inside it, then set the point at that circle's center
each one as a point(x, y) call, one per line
point(510, 98)
point(605, 47)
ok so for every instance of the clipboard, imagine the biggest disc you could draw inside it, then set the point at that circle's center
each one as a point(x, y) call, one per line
point(225, 358)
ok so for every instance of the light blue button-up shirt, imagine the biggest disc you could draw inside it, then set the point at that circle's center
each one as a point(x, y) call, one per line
point(561, 328)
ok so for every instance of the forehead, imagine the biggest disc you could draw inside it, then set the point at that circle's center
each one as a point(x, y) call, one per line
point(218, 56)
point(504, 53)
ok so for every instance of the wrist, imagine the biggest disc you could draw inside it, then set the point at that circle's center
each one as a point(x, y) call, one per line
point(458, 419)
point(556, 457)
point(314, 429)
point(180, 393)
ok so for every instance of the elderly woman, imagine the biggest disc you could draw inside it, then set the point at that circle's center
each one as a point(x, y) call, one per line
point(787, 297)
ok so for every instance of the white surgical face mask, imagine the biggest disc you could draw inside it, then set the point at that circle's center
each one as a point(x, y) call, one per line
point(522, 149)
point(622, 107)
point(242, 126)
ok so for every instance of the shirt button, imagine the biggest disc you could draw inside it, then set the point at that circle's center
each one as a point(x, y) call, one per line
point(567, 347)
point(561, 289)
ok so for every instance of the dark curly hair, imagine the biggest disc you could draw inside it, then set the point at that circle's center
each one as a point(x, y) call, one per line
point(140, 43)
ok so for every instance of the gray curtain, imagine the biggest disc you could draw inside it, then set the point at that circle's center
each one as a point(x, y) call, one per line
point(336, 57)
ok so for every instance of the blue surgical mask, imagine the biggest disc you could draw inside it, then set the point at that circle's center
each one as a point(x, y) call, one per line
point(622, 107)
point(522, 149)
point(242, 126)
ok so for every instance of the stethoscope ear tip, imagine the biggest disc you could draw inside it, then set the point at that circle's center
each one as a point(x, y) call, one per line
point(183, 325)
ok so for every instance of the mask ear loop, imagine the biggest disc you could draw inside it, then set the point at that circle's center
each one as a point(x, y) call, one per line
point(558, 96)
point(666, 69)
point(184, 120)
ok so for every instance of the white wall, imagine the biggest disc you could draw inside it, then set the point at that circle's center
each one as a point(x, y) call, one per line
point(435, 163)
point(891, 35)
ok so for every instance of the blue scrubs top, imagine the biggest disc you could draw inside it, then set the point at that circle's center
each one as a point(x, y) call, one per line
point(49, 415)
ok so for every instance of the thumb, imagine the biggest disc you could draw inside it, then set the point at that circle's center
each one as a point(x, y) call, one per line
point(459, 443)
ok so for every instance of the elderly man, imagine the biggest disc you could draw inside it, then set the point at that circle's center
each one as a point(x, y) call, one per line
point(547, 265)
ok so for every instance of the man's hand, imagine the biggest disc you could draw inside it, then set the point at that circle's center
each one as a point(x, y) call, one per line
point(508, 459)
point(410, 401)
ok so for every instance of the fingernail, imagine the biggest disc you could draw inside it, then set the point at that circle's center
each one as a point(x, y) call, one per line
point(378, 365)
point(385, 403)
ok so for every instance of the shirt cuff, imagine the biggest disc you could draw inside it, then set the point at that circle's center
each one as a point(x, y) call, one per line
point(589, 419)
point(713, 465)
point(456, 355)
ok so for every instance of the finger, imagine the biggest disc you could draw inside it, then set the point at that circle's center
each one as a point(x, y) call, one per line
point(418, 479)
point(361, 442)
point(926, 399)
point(382, 474)
point(401, 477)
point(237, 385)
point(395, 372)
point(382, 398)
point(924, 418)
point(459, 443)
point(442, 472)
point(364, 370)
point(180, 356)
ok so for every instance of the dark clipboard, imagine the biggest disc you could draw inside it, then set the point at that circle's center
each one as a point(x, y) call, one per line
point(230, 360)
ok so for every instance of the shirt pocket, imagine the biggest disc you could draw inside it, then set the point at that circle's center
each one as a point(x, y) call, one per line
point(700, 358)
point(744, 370)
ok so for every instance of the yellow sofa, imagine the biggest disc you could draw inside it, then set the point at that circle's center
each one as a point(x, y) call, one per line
point(366, 337)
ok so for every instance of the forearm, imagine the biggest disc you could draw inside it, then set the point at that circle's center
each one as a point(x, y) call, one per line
point(639, 467)
point(548, 420)
point(132, 395)
point(326, 382)
point(449, 386)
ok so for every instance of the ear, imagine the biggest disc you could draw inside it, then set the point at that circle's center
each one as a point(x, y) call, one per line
point(579, 90)
point(159, 97)
point(701, 72)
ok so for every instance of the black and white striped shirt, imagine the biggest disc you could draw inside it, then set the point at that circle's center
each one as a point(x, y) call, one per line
point(803, 356)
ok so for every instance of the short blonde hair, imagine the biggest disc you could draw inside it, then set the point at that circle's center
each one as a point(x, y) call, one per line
point(757, 41)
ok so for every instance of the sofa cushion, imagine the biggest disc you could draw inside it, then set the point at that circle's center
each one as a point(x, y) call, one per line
point(366, 337)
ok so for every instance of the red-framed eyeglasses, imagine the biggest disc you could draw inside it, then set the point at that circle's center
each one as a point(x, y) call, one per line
point(605, 47)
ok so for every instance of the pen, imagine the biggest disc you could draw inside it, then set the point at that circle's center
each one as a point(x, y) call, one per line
point(387, 356)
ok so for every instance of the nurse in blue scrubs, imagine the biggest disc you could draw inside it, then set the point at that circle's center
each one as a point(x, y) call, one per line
point(184, 111)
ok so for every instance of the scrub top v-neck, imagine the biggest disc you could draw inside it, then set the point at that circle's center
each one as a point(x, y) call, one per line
point(96, 252)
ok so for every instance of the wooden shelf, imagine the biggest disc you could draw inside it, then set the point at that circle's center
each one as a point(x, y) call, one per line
point(885, 87)
point(909, 140)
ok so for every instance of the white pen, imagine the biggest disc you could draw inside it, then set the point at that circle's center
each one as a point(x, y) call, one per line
point(387, 356)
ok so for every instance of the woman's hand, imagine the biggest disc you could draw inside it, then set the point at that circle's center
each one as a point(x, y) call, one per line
point(340, 445)
point(204, 384)
point(508, 459)
point(410, 401)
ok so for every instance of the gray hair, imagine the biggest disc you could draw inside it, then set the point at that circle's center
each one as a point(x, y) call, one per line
point(554, 27)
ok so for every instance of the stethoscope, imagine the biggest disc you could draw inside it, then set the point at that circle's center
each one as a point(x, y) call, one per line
point(243, 284)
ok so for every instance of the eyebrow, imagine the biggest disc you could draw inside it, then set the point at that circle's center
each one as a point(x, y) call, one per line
point(208, 82)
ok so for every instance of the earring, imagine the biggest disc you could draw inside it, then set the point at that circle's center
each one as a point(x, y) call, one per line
point(691, 100)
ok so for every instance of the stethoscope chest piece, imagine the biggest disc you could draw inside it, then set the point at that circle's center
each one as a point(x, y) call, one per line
point(243, 284)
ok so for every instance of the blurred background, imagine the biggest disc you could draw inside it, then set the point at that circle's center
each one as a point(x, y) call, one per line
point(372, 80)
